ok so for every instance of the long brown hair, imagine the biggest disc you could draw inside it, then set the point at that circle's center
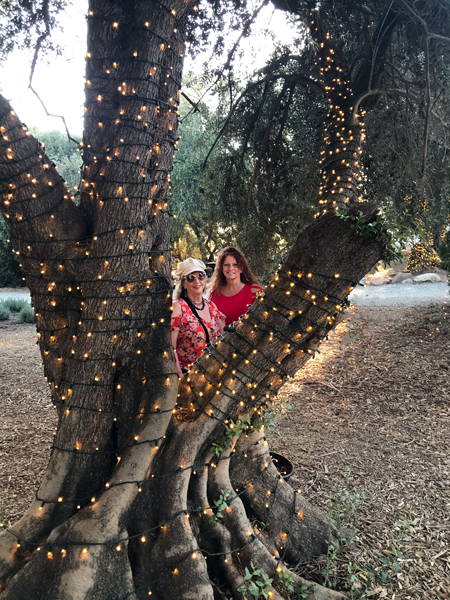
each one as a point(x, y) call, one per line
point(219, 280)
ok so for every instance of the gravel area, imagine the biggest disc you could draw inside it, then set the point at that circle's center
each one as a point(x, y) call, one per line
point(400, 294)
point(16, 293)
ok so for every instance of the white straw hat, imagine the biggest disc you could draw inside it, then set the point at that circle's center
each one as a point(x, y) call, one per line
point(190, 265)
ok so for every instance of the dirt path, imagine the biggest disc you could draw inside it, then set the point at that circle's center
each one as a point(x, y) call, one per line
point(368, 435)
point(27, 418)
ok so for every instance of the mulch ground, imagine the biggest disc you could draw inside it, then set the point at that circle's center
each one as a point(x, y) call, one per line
point(369, 437)
point(368, 434)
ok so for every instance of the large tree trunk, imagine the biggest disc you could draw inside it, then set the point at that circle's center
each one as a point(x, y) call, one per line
point(127, 505)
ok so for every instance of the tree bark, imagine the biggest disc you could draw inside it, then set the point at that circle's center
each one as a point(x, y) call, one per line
point(127, 507)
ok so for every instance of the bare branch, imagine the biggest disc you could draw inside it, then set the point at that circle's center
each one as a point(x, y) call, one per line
point(422, 22)
point(191, 102)
point(314, 85)
point(361, 97)
point(40, 41)
point(428, 103)
point(243, 33)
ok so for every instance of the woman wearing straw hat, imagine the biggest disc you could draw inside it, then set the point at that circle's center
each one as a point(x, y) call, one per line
point(196, 321)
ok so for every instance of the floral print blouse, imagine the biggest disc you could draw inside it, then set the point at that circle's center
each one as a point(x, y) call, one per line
point(191, 337)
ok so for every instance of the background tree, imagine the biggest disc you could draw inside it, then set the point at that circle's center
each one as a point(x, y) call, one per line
point(254, 165)
point(211, 199)
point(65, 153)
point(394, 169)
point(132, 503)
point(404, 91)
point(199, 227)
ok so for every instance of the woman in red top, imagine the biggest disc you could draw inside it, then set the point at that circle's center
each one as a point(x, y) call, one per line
point(234, 287)
point(196, 321)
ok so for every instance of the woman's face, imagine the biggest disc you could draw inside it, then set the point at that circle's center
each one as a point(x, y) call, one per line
point(231, 269)
point(195, 282)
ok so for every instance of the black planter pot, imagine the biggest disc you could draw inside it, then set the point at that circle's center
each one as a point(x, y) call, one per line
point(283, 464)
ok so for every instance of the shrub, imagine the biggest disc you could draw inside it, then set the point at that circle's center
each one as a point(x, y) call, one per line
point(5, 313)
point(26, 314)
point(15, 304)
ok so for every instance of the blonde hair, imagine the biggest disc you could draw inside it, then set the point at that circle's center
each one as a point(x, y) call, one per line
point(179, 291)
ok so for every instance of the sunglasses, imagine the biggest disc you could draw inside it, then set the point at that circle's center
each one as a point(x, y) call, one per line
point(192, 277)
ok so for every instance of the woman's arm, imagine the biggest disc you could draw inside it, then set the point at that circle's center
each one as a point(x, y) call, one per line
point(221, 325)
point(219, 317)
point(176, 312)
point(255, 289)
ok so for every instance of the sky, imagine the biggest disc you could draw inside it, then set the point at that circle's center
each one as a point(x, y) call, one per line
point(59, 80)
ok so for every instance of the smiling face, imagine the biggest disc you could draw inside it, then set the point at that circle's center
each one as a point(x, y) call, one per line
point(231, 269)
point(195, 283)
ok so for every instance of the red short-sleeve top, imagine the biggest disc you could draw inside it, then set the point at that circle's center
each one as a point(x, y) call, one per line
point(235, 306)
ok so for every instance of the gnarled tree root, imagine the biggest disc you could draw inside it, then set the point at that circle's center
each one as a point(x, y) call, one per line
point(297, 529)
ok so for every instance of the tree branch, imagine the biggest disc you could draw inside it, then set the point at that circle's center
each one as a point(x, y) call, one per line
point(36, 203)
point(372, 67)
point(422, 22)
point(37, 49)
point(427, 37)
point(243, 33)
point(191, 102)
point(380, 92)
point(254, 121)
point(428, 103)
point(287, 78)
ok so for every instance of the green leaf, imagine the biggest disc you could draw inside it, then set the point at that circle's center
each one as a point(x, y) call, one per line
point(253, 589)
point(383, 576)
point(396, 567)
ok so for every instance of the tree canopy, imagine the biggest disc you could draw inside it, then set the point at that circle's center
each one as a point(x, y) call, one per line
point(398, 73)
